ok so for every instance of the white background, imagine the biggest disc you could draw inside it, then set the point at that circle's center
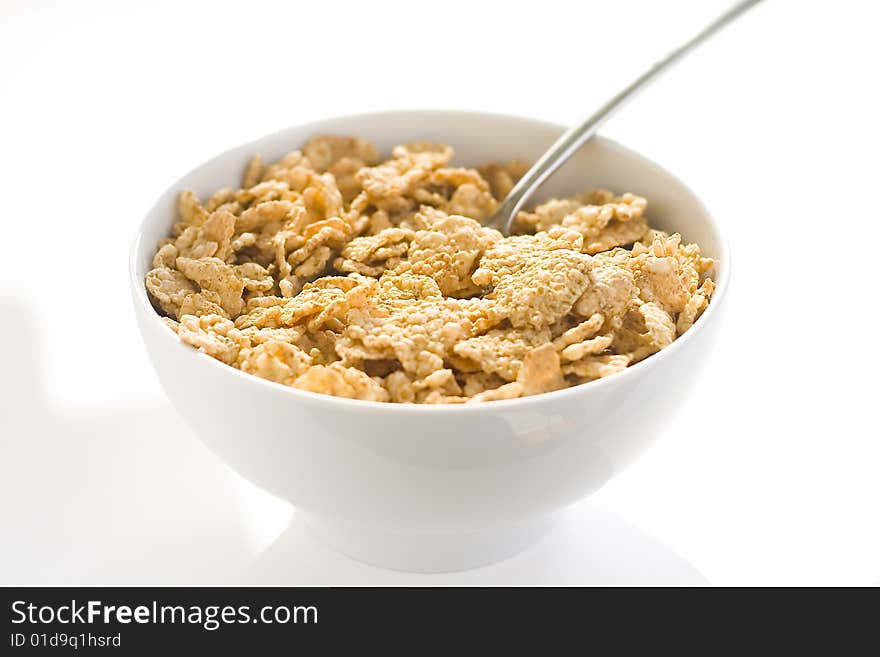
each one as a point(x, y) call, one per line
point(770, 475)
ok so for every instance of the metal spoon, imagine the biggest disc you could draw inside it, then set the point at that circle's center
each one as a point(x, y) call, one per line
point(574, 137)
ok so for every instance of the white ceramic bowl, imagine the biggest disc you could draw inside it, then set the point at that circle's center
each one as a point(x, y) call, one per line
point(435, 488)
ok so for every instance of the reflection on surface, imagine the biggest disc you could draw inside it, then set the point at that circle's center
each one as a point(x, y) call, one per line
point(590, 547)
point(128, 495)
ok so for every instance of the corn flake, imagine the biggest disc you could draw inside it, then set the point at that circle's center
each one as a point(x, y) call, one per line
point(334, 271)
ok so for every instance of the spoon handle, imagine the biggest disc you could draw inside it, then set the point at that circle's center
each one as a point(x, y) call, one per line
point(574, 137)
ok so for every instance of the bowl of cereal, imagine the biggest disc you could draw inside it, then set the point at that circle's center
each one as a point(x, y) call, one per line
point(326, 310)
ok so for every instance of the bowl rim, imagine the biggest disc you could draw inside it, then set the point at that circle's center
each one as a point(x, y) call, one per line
point(331, 401)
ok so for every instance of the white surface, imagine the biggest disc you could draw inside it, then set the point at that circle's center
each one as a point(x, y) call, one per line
point(435, 488)
point(769, 476)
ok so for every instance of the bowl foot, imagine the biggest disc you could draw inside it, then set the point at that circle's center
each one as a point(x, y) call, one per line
point(428, 552)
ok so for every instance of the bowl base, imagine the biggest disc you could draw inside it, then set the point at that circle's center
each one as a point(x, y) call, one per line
point(428, 552)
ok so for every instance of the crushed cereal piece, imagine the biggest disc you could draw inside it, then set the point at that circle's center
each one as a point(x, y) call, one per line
point(581, 332)
point(168, 288)
point(448, 251)
point(206, 302)
point(343, 157)
point(604, 220)
point(502, 176)
point(336, 379)
point(189, 212)
point(500, 352)
point(215, 275)
point(540, 371)
point(326, 150)
point(372, 255)
point(211, 334)
point(253, 172)
point(646, 330)
point(695, 306)
point(275, 360)
point(597, 367)
point(477, 382)
point(535, 279)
